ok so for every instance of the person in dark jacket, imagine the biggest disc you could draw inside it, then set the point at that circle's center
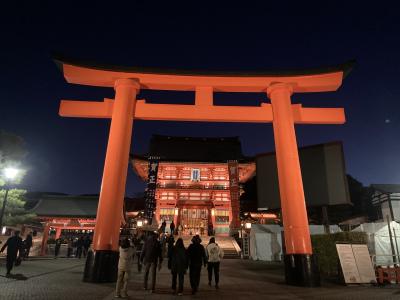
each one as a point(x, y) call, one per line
point(28, 244)
point(14, 245)
point(151, 256)
point(57, 247)
point(79, 247)
point(170, 243)
point(86, 245)
point(179, 264)
point(197, 258)
point(172, 228)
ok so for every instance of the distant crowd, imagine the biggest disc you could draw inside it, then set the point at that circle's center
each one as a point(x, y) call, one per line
point(150, 248)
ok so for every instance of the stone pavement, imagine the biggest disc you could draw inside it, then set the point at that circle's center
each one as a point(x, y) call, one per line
point(62, 279)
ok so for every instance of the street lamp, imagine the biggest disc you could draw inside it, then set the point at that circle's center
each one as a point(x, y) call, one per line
point(10, 174)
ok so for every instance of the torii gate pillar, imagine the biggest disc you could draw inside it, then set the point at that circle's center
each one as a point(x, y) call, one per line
point(300, 264)
point(102, 267)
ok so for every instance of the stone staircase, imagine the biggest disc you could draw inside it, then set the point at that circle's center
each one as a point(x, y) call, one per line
point(227, 243)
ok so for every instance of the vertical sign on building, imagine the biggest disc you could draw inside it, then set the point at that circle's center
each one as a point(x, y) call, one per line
point(150, 202)
point(233, 169)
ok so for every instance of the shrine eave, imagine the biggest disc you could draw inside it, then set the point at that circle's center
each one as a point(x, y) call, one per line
point(308, 80)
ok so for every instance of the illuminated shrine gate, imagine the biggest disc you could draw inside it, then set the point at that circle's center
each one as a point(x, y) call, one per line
point(197, 186)
point(300, 264)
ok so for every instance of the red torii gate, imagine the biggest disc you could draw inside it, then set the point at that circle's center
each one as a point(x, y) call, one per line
point(300, 266)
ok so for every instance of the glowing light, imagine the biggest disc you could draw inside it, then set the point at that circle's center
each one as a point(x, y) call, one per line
point(139, 223)
point(11, 173)
point(248, 225)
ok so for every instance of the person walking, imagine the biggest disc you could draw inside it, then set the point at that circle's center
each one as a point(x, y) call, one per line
point(196, 257)
point(163, 226)
point(79, 247)
point(170, 245)
point(69, 247)
point(57, 247)
point(86, 245)
point(28, 245)
point(126, 253)
point(172, 228)
point(14, 246)
point(179, 264)
point(214, 255)
point(151, 256)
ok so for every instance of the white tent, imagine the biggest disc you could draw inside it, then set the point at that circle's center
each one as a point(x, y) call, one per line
point(379, 240)
point(266, 240)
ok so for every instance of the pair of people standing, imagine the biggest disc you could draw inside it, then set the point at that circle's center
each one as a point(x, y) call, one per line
point(194, 258)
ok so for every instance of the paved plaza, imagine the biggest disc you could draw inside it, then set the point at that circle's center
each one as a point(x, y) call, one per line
point(62, 279)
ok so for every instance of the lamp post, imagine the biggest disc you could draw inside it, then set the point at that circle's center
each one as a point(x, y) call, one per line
point(10, 174)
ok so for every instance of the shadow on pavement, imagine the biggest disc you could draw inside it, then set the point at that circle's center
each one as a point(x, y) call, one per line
point(17, 276)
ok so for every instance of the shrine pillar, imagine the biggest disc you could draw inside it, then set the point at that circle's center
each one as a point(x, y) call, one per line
point(58, 233)
point(102, 265)
point(44, 239)
point(300, 264)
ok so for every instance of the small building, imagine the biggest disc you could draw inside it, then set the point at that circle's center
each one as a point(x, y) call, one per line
point(197, 185)
point(386, 200)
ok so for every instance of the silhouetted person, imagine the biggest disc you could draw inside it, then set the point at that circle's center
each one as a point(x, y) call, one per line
point(170, 243)
point(69, 247)
point(13, 245)
point(179, 264)
point(126, 254)
point(57, 247)
point(151, 256)
point(172, 228)
point(163, 226)
point(86, 245)
point(28, 243)
point(214, 255)
point(197, 257)
point(79, 247)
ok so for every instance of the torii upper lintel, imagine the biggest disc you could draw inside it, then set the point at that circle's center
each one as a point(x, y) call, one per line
point(302, 81)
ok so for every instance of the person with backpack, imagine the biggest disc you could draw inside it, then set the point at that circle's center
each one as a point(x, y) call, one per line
point(178, 262)
point(151, 256)
point(214, 255)
point(196, 257)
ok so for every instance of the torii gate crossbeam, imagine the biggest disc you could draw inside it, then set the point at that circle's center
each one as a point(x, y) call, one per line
point(300, 264)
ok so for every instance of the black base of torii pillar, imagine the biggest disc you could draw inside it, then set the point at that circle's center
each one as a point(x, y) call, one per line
point(302, 270)
point(101, 266)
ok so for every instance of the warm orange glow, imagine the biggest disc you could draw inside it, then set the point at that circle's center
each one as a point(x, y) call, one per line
point(280, 112)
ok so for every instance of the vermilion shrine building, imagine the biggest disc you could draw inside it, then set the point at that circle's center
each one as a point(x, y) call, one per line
point(196, 181)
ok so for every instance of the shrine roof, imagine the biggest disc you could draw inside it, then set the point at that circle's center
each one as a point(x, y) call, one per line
point(66, 206)
point(195, 149)
point(81, 206)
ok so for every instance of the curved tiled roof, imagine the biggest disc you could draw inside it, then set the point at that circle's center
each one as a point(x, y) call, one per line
point(196, 149)
point(66, 206)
